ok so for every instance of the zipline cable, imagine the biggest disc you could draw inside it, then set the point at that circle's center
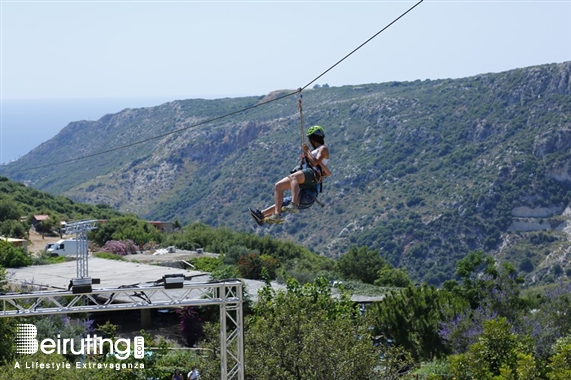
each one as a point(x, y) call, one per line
point(363, 44)
point(298, 91)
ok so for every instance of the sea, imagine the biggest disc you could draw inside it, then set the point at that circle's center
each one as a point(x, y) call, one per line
point(27, 123)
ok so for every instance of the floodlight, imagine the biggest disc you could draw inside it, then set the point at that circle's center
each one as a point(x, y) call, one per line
point(173, 281)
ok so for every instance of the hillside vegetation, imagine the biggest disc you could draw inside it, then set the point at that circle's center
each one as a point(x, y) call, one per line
point(19, 203)
point(423, 171)
point(242, 254)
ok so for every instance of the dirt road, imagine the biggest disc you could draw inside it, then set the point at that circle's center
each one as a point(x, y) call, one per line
point(37, 243)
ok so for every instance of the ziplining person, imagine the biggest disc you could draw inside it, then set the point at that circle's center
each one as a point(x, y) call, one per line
point(304, 181)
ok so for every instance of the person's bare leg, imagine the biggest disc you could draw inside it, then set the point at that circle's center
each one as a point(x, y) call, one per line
point(296, 179)
point(283, 185)
point(269, 211)
point(279, 189)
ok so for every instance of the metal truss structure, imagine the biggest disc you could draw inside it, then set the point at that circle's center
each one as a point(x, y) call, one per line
point(227, 294)
point(80, 229)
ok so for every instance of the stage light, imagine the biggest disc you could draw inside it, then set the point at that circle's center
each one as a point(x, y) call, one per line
point(173, 281)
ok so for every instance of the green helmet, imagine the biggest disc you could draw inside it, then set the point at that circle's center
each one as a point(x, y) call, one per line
point(316, 130)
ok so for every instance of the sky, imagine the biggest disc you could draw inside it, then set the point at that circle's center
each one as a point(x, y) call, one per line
point(144, 53)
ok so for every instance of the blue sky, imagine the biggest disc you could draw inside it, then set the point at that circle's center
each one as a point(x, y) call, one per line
point(166, 50)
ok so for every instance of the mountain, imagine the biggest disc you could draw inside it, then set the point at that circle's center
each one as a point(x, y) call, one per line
point(423, 171)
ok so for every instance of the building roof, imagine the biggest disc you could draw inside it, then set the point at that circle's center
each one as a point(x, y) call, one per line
point(12, 240)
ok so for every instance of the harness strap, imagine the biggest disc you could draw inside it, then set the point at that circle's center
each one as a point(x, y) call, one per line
point(317, 176)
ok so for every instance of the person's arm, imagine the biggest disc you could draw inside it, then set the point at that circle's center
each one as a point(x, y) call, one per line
point(317, 161)
point(325, 170)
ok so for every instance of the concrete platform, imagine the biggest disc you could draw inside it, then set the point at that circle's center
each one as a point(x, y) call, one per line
point(112, 274)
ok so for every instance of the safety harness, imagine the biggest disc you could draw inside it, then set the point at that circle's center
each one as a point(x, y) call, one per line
point(316, 170)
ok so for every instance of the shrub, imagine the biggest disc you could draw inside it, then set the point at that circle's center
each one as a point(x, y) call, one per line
point(206, 264)
point(119, 247)
point(45, 258)
point(191, 324)
point(13, 257)
point(257, 267)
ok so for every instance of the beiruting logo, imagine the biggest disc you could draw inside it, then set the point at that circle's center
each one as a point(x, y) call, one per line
point(27, 343)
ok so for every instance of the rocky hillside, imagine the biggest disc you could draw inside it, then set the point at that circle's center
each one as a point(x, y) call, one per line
point(423, 171)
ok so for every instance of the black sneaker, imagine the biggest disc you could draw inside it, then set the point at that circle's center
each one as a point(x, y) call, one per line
point(258, 216)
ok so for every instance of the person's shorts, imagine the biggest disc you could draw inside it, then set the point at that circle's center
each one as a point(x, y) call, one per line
point(310, 179)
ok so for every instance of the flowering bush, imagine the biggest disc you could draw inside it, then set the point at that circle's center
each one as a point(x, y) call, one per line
point(550, 321)
point(191, 324)
point(119, 247)
point(460, 332)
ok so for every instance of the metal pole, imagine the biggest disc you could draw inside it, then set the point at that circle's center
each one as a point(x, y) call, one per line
point(240, 320)
point(223, 337)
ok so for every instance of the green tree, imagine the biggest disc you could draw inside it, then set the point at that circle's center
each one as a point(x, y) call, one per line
point(7, 339)
point(361, 264)
point(498, 352)
point(393, 277)
point(13, 228)
point(487, 283)
point(257, 267)
point(233, 254)
point(9, 210)
point(560, 363)
point(411, 317)
point(303, 333)
point(493, 290)
point(551, 321)
point(7, 329)
point(467, 269)
point(126, 228)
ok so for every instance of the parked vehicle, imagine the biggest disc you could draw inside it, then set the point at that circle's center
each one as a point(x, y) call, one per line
point(64, 247)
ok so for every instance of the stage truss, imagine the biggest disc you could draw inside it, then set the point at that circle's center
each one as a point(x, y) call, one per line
point(227, 294)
